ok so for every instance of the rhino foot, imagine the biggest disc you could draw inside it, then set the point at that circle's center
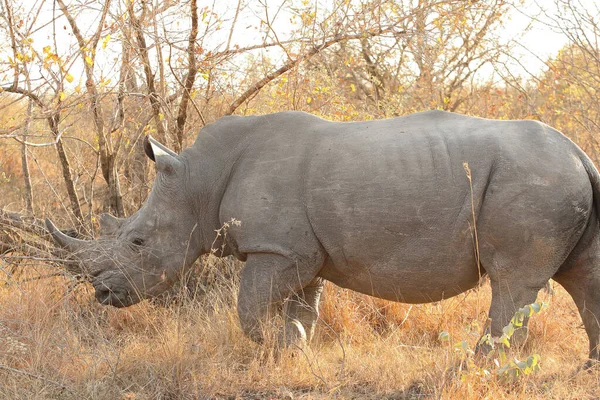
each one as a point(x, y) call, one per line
point(294, 334)
point(591, 365)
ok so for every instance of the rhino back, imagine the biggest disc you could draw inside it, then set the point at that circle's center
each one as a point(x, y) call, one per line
point(388, 202)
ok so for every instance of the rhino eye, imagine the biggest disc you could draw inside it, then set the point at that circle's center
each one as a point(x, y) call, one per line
point(138, 242)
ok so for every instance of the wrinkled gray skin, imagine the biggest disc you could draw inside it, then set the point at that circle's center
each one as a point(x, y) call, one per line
point(379, 207)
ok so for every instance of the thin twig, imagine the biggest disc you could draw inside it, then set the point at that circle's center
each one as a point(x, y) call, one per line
point(39, 377)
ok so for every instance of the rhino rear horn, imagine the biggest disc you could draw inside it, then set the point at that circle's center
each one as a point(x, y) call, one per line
point(165, 158)
point(109, 225)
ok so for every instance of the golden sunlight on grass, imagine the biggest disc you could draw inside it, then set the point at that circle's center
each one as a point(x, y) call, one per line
point(59, 344)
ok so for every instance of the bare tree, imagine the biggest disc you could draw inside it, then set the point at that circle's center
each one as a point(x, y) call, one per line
point(50, 109)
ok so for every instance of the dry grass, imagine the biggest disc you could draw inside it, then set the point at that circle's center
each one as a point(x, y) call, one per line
point(72, 348)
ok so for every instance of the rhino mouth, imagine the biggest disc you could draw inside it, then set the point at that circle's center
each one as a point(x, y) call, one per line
point(108, 297)
point(113, 295)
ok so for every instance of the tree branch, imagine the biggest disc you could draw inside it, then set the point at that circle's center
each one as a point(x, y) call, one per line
point(305, 56)
point(189, 80)
point(143, 51)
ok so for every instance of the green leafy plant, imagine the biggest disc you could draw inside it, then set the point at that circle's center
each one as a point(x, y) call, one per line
point(503, 367)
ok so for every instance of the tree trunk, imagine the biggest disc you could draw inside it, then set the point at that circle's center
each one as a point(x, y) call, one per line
point(66, 168)
point(189, 80)
point(25, 159)
point(113, 201)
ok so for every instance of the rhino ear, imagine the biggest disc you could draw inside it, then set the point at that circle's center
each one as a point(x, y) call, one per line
point(165, 158)
point(109, 225)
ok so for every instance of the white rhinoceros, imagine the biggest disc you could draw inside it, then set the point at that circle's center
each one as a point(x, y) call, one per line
point(380, 207)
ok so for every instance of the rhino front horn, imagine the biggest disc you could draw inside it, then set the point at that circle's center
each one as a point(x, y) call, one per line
point(63, 240)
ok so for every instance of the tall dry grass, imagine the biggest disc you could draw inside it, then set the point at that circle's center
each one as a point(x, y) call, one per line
point(56, 342)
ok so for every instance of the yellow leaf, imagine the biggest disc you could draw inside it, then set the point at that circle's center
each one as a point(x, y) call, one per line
point(46, 49)
point(62, 96)
point(353, 87)
point(104, 82)
point(308, 100)
point(89, 60)
point(69, 78)
point(161, 116)
point(105, 41)
point(78, 88)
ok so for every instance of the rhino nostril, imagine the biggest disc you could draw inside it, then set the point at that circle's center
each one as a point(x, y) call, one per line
point(103, 295)
point(96, 273)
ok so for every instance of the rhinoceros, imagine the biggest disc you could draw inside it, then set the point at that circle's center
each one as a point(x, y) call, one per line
point(413, 209)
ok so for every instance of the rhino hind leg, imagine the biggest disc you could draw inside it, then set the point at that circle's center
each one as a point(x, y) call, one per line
point(521, 247)
point(580, 276)
point(516, 278)
point(517, 273)
point(507, 298)
point(582, 282)
point(301, 312)
point(586, 294)
point(267, 281)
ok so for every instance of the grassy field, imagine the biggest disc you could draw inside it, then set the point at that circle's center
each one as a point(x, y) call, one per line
point(56, 342)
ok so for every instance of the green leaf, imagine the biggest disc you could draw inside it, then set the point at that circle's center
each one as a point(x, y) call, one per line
point(533, 361)
point(508, 330)
point(462, 345)
point(518, 318)
point(504, 340)
point(504, 369)
point(487, 339)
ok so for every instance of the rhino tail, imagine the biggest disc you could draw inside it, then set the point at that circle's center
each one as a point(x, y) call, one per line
point(594, 177)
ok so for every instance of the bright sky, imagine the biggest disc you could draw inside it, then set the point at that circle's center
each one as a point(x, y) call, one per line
point(538, 44)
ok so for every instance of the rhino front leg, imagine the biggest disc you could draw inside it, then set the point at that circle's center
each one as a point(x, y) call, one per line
point(301, 312)
point(267, 280)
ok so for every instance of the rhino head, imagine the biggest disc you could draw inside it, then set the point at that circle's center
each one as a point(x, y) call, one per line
point(142, 256)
